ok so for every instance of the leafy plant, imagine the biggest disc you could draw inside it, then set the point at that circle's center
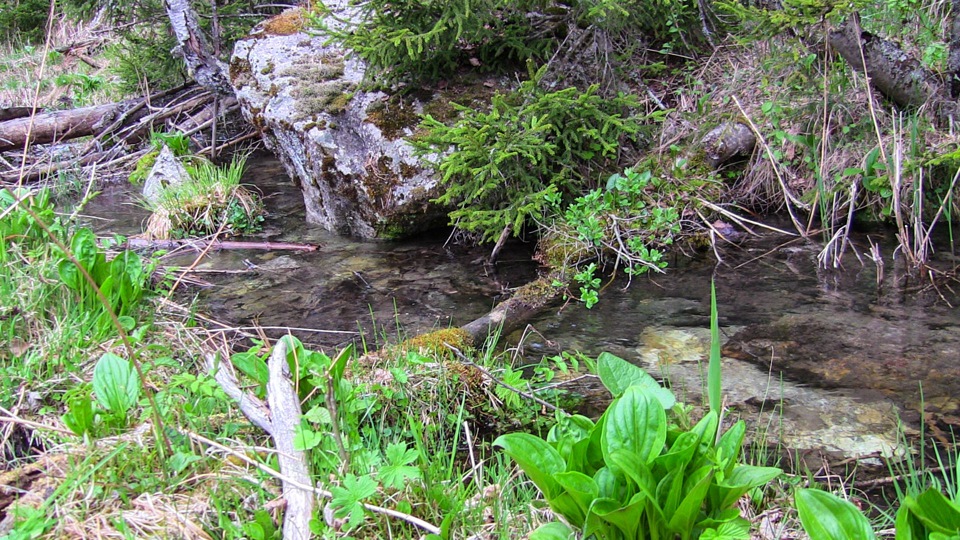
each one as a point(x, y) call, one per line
point(825, 516)
point(116, 385)
point(123, 281)
point(534, 149)
point(633, 474)
point(424, 39)
point(211, 200)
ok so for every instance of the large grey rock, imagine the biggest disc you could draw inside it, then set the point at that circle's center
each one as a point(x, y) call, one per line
point(343, 145)
point(167, 171)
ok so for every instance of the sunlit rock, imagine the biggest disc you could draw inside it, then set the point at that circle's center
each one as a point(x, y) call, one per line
point(343, 144)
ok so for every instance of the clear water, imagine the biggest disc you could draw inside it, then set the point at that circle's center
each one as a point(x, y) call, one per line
point(825, 359)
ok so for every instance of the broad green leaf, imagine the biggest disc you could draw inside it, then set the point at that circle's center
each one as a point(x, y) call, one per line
point(636, 423)
point(936, 512)
point(305, 438)
point(687, 512)
point(736, 529)
point(80, 416)
point(347, 500)
point(567, 506)
point(625, 517)
point(580, 487)
point(617, 375)
point(398, 469)
point(536, 457)
point(731, 443)
point(340, 362)
point(741, 480)
point(116, 384)
point(907, 526)
point(552, 531)
point(827, 517)
point(680, 452)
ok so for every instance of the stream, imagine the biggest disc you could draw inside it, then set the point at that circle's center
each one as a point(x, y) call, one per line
point(822, 362)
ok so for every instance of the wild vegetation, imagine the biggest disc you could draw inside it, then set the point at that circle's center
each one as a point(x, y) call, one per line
point(115, 397)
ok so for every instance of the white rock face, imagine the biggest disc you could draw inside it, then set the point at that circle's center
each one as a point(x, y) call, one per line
point(167, 171)
point(344, 147)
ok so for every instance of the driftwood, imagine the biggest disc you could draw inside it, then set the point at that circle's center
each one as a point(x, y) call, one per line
point(280, 421)
point(57, 126)
point(514, 312)
point(200, 245)
point(199, 56)
point(115, 128)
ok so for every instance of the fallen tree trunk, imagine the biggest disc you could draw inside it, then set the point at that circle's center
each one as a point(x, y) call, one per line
point(897, 75)
point(57, 126)
point(200, 245)
point(514, 312)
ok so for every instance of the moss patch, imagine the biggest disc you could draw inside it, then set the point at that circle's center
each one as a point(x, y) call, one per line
point(287, 23)
point(435, 343)
point(393, 116)
point(318, 86)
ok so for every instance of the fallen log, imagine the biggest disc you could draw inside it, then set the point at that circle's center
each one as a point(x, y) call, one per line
point(514, 312)
point(56, 126)
point(200, 245)
point(896, 74)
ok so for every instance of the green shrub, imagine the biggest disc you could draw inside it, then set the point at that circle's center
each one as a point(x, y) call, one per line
point(635, 473)
point(506, 167)
point(24, 20)
point(427, 39)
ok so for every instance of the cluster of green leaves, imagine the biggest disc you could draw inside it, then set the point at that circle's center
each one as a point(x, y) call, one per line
point(629, 218)
point(927, 516)
point(389, 439)
point(116, 386)
point(636, 473)
point(428, 39)
point(508, 167)
point(122, 281)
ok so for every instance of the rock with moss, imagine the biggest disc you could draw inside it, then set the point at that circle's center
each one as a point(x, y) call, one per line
point(167, 171)
point(343, 144)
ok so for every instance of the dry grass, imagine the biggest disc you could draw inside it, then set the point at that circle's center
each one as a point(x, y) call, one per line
point(24, 67)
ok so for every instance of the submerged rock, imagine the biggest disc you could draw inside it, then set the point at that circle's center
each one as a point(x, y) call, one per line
point(845, 424)
point(344, 145)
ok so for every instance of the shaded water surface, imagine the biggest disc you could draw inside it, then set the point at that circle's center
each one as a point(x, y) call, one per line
point(825, 359)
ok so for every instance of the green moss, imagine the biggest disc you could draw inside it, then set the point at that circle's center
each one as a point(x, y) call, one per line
point(287, 23)
point(268, 69)
point(144, 164)
point(330, 97)
point(435, 343)
point(393, 116)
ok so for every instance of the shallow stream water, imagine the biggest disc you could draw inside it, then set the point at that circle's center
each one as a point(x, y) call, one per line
point(822, 361)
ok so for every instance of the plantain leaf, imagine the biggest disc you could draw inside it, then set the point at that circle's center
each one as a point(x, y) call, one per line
point(537, 458)
point(617, 375)
point(827, 517)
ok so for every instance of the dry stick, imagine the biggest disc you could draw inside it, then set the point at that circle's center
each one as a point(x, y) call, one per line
point(413, 520)
point(468, 362)
point(285, 418)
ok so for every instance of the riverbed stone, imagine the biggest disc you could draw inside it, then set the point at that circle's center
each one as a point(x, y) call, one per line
point(842, 424)
point(342, 142)
point(167, 171)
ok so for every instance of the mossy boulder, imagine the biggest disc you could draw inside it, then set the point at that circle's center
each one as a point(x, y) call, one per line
point(344, 145)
